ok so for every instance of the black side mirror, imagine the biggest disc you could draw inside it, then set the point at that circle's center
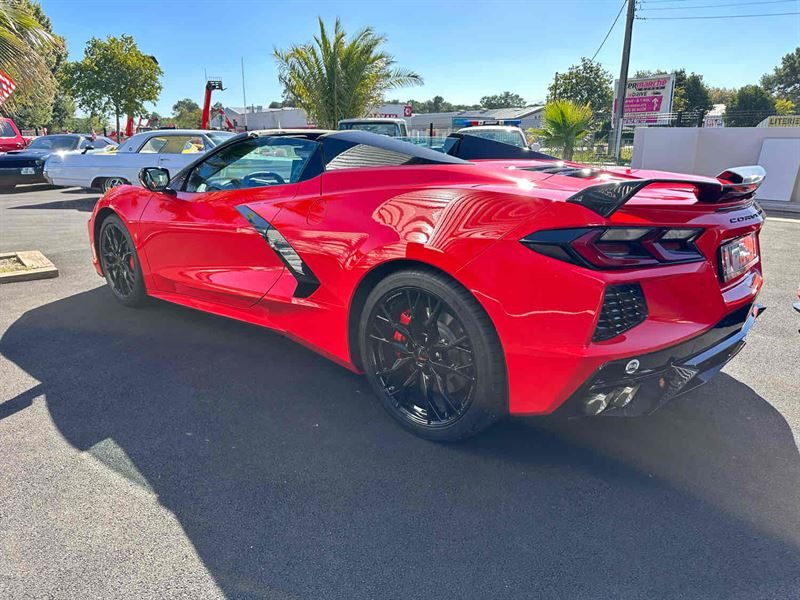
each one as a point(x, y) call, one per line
point(87, 148)
point(154, 179)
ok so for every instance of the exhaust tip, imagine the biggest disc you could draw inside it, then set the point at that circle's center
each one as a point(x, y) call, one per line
point(595, 404)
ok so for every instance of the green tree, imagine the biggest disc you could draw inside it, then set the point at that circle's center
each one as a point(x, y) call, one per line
point(504, 100)
point(564, 125)
point(187, 114)
point(333, 77)
point(32, 105)
point(784, 81)
point(695, 94)
point(114, 75)
point(63, 114)
point(784, 106)
point(87, 123)
point(436, 104)
point(721, 95)
point(751, 105)
point(585, 83)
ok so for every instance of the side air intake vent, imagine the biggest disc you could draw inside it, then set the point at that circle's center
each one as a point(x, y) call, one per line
point(624, 307)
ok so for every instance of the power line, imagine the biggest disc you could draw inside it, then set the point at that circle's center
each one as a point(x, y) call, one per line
point(610, 29)
point(718, 16)
point(718, 5)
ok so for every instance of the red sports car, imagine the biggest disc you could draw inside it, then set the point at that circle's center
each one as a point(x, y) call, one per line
point(467, 285)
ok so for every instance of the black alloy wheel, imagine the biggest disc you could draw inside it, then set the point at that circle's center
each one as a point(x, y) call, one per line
point(120, 263)
point(427, 359)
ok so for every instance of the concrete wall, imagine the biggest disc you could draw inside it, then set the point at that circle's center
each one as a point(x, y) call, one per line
point(709, 151)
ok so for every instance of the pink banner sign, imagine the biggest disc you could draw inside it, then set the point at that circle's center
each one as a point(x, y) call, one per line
point(643, 104)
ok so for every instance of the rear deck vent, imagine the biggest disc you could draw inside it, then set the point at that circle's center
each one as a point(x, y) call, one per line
point(624, 307)
point(567, 171)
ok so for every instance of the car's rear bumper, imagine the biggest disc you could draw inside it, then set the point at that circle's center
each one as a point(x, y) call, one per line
point(665, 374)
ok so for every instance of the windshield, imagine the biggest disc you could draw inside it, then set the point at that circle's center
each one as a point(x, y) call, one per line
point(6, 130)
point(514, 137)
point(54, 142)
point(390, 129)
point(220, 136)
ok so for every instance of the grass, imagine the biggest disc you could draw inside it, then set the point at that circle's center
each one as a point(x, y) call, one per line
point(9, 265)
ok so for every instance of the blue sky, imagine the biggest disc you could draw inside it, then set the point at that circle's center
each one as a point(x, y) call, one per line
point(463, 49)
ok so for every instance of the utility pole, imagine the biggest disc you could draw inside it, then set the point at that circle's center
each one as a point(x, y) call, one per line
point(619, 109)
point(244, 96)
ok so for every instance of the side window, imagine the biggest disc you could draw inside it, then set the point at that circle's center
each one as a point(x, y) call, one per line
point(173, 144)
point(153, 145)
point(6, 130)
point(194, 145)
point(256, 162)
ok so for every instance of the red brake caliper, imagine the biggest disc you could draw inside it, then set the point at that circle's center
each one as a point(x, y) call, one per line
point(405, 319)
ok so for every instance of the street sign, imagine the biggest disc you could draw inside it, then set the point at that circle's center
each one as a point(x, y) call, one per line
point(648, 100)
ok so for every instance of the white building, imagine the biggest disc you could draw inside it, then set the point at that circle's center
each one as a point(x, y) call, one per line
point(443, 123)
point(258, 117)
point(446, 122)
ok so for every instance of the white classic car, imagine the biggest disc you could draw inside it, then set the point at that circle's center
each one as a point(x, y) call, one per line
point(171, 149)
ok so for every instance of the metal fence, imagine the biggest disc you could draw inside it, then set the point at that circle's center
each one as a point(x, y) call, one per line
point(698, 118)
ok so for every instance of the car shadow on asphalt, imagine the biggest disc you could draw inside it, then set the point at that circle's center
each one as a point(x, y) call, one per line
point(79, 204)
point(288, 477)
point(35, 187)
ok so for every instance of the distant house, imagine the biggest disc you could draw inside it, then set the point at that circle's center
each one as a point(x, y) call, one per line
point(715, 117)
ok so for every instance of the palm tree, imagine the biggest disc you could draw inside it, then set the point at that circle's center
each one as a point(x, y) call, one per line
point(22, 38)
point(334, 77)
point(564, 124)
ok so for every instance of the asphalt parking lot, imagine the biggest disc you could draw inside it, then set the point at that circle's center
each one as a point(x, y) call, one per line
point(162, 453)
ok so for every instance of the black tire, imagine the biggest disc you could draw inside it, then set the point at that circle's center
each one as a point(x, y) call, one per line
point(120, 262)
point(7, 188)
point(437, 366)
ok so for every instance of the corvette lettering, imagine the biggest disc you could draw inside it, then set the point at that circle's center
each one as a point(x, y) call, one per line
point(744, 218)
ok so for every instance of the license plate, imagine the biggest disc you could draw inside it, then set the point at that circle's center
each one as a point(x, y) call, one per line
point(27, 171)
point(737, 256)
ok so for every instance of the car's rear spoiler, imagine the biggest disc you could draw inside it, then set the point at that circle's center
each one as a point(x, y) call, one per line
point(737, 183)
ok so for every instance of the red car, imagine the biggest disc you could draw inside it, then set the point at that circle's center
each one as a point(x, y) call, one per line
point(10, 137)
point(465, 289)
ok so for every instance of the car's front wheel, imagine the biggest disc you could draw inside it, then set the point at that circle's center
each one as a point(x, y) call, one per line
point(432, 356)
point(120, 262)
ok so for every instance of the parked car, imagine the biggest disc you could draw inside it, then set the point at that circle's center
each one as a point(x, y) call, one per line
point(10, 136)
point(26, 166)
point(506, 134)
point(172, 149)
point(465, 291)
point(383, 126)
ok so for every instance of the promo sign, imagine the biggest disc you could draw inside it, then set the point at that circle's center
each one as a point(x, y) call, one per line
point(647, 100)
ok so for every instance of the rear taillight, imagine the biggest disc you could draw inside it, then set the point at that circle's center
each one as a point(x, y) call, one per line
point(737, 256)
point(618, 247)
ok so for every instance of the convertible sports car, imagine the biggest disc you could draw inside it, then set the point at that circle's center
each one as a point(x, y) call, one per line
point(465, 290)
